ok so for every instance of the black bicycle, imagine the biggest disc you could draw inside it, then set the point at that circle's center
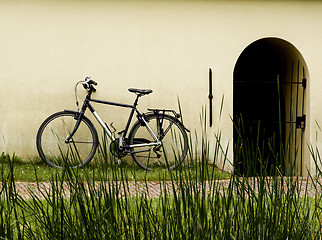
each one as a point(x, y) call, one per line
point(157, 139)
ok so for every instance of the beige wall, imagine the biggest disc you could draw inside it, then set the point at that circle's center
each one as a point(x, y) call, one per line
point(168, 46)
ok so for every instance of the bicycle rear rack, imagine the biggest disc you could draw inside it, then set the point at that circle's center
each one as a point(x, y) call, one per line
point(163, 111)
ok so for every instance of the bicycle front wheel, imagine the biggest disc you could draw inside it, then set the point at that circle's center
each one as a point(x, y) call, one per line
point(52, 134)
point(172, 135)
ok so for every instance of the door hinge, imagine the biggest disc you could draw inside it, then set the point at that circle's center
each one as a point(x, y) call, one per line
point(300, 122)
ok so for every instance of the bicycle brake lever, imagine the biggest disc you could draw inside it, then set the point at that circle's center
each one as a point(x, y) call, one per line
point(85, 85)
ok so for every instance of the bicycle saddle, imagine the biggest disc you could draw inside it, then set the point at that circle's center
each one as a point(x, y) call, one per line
point(140, 91)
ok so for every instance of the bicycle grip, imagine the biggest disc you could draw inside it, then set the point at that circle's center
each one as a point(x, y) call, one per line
point(92, 82)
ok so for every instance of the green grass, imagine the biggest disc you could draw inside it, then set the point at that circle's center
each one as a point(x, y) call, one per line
point(191, 212)
point(36, 170)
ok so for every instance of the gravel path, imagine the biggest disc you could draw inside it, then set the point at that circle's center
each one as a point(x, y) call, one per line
point(156, 189)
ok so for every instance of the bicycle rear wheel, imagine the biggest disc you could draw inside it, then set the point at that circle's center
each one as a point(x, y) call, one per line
point(169, 131)
point(51, 144)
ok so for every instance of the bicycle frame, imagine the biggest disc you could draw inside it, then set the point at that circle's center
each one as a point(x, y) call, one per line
point(123, 133)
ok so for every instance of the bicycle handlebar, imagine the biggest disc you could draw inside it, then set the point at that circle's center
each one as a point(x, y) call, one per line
point(88, 82)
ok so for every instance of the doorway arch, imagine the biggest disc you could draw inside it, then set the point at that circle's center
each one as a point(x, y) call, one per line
point(269, 108)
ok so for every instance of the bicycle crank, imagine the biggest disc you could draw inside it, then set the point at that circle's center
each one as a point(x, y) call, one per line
point(157, 150)
point(115, 150)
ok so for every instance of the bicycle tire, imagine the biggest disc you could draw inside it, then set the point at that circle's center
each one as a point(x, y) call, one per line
point(51, 144)
point(173, 149)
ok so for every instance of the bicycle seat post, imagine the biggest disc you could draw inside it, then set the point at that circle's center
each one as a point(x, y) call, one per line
point(121, 139)
point(137, 100)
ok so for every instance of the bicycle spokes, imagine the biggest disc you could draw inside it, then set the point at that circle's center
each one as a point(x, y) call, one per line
point(173, 139)
point(52, 144)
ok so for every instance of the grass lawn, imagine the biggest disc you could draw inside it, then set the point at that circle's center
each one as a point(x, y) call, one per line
point(100, 213)
point(37, 170)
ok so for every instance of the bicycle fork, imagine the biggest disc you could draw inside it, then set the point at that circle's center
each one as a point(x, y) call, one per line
point(79, 119)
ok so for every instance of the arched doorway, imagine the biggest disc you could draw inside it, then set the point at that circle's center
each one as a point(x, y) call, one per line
point(269, 86)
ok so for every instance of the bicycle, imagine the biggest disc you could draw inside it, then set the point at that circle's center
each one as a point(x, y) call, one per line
point(157, 139)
